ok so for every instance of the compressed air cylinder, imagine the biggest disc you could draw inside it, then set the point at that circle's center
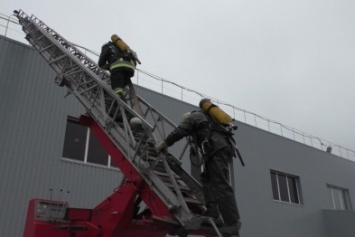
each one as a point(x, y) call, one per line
point(216, 113)
point(120, 43)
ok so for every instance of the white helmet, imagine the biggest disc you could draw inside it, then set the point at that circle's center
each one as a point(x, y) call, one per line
point(185, 116)
point(135, 122)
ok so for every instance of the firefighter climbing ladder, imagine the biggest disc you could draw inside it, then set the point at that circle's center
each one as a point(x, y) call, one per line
point(178, 193)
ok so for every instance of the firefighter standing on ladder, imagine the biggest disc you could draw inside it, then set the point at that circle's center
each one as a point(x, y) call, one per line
point(120, 60)
point(218, 193)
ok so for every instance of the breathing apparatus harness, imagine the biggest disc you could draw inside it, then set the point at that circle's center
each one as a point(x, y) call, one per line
point(117, 54)
point(205, 150)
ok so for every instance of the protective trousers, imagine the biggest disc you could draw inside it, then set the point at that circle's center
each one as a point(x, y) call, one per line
point(119, 80)
point(216, 186)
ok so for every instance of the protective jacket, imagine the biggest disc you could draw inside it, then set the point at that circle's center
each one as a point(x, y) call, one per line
point(218, 192)
point(199, 126)
point(112, 58)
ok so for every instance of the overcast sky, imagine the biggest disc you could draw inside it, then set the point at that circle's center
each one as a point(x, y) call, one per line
point(290, 61)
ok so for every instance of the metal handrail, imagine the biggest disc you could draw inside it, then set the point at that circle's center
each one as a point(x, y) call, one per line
point(185, 94)
point(10, 25)
point(247, 117)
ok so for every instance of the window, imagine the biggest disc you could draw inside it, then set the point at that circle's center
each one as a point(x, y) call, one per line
point(285, 187)
point(96, 153)
point(75, 141)
point(339, 197)
point(81, 145)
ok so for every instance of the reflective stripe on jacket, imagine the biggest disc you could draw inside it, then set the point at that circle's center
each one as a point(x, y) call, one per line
point(123, 64)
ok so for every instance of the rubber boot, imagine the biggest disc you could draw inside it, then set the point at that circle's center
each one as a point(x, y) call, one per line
point(212, 211)
point(231, 230)
point(229, 211)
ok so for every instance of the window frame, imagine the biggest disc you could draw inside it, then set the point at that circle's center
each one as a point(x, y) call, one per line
point(343, 199)
point(109, 163)
point(295, 179)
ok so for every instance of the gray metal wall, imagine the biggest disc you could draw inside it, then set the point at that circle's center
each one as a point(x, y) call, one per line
point(33, 115)
point(264, 151)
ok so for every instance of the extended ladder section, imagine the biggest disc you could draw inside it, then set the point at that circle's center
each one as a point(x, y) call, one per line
point(177, 189)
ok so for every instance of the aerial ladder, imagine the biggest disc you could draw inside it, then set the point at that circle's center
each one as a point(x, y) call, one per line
point(156, 196)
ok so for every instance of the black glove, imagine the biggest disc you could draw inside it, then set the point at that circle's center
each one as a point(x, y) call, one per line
point(105, 66)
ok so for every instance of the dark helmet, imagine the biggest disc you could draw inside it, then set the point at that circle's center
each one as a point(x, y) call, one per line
point(203, 101)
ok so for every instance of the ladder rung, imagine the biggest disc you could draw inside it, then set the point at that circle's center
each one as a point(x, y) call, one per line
point(192, 200)
point(46, 48)
point(164, 174)
point(180, 187)
point(58, 58)
point(84, 79)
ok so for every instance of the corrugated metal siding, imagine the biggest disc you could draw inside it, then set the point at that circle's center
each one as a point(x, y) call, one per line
point(263, 151)
point(33, 115)
point(32, 124)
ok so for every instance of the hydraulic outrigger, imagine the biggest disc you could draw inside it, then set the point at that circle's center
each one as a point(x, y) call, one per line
point(172, 198)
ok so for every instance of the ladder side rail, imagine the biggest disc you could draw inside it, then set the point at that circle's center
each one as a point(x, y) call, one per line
point(154, 111)
point(86, 61)
point(175, 186)
point(58, 38)
point(74, 82)
point(57, 67)
point(159, 123)
point(189, 180)
point(81, 63)
point(78, 95)
point(164, 192)
point(181, 200)
point(177, 202)
point(101, 122)
point(156, 184)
